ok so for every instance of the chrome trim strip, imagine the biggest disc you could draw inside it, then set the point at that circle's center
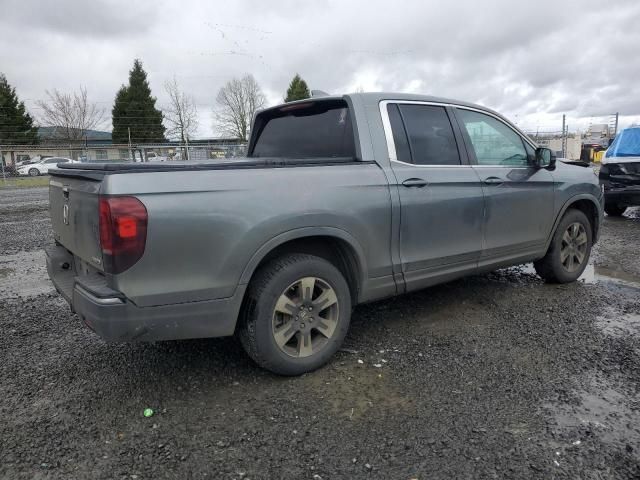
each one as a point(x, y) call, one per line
point(431, 166)
point(388, 134)
point(100, 301)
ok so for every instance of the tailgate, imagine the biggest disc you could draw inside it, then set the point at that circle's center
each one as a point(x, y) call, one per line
point(73, 204)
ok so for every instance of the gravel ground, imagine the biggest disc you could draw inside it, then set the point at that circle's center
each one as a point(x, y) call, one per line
point(493, 376)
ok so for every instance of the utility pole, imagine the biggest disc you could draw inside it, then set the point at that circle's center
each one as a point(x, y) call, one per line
point(130, 150)
point(564, 136)
point(4, 177)
point(615, 128)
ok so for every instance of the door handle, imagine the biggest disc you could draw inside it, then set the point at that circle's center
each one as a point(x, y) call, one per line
point(493, 180)
point(415, 182)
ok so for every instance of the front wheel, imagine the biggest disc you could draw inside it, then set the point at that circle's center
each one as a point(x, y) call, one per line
point(296, 315)
point(614, 209)
point(34, 172)
point(569, 250)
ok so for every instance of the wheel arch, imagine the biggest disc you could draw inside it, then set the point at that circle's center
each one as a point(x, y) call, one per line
point(333, 244)
point(588, 205)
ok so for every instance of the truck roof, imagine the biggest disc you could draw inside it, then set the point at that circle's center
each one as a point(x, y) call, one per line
point(374, 98)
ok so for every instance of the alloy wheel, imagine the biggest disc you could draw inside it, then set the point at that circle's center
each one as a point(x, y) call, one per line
point(305, 317)
point(573, 250)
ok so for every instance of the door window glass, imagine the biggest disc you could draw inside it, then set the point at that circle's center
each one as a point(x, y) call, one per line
point(431, 137)
point(494, 143)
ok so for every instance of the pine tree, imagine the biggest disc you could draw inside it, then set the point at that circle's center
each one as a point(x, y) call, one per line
point(16, 125)
point(297, 90)
point(135, 109)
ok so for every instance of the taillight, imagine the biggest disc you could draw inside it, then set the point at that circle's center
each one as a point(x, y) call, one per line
point(123, 232)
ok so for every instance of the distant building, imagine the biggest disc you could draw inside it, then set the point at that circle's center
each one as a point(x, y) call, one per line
point(59, 136)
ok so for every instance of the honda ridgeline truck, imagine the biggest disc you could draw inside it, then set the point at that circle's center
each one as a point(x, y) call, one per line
point(341, 200)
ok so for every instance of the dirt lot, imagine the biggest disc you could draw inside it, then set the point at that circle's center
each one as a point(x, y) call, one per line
point(494, 376)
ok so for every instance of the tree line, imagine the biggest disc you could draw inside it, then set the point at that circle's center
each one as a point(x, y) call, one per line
point(135, 116)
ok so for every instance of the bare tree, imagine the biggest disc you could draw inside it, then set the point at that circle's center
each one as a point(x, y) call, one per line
point(181, 114)
point(71, 112)
point(237, 102)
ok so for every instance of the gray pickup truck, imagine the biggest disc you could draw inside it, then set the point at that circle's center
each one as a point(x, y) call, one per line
point(340, 201)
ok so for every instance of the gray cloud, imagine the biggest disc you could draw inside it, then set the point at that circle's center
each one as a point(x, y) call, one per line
point(532, 61)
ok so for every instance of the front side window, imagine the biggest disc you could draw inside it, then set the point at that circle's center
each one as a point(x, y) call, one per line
point(494, 143)
point(431, 138)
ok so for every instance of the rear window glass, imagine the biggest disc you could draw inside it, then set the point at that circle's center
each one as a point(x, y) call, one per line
point(310, 130)
point(431, 137)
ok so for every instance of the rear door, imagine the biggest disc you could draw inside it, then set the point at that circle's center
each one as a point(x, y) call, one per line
point(441, 200)
point(519, 197)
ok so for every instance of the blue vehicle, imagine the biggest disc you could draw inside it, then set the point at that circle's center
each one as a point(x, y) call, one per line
point(620, 172)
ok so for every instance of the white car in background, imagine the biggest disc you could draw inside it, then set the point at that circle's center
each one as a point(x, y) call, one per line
point(43, 166)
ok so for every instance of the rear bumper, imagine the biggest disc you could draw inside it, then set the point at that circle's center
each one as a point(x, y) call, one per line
point(116, 319)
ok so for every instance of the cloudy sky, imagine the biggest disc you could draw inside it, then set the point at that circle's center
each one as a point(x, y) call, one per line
point(532, 61)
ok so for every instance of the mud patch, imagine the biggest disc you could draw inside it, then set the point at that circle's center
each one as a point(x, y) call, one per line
point(357, 391)
point(24, 275)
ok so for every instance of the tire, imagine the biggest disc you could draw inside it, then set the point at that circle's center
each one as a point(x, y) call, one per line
point(551, 267)
point(34, 172)
point(274, 308)
point(614, 209)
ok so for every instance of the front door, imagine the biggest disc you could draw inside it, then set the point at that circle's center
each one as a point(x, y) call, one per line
point(441, 200)
point(519, 196)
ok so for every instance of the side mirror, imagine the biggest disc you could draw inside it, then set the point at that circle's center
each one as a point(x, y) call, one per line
point(545, 158)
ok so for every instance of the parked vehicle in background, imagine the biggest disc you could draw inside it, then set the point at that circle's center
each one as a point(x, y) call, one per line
point(620, 172)
point(42, 167)
point(154, 157)
point(340, 201)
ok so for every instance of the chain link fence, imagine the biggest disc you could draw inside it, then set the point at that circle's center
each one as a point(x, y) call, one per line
point(13, 156)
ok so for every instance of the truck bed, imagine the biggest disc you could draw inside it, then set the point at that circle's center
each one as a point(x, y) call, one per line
point(98, 170)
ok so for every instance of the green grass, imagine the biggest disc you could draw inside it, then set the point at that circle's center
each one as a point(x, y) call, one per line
point(24, 182)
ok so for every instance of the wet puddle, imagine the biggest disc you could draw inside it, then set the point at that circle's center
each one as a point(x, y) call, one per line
point(24, 274)
point(619, 325)
point(594, 274)
point(602, 411)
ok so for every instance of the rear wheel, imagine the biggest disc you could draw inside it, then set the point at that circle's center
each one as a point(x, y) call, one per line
point(34, 172)
point(569, 250)
point(614, 209)
point(296, 315)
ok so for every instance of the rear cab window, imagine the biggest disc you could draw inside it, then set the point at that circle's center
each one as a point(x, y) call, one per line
point(315, 129)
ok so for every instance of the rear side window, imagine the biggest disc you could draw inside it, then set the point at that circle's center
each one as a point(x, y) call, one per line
point(430, 135)
point(309, 130)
